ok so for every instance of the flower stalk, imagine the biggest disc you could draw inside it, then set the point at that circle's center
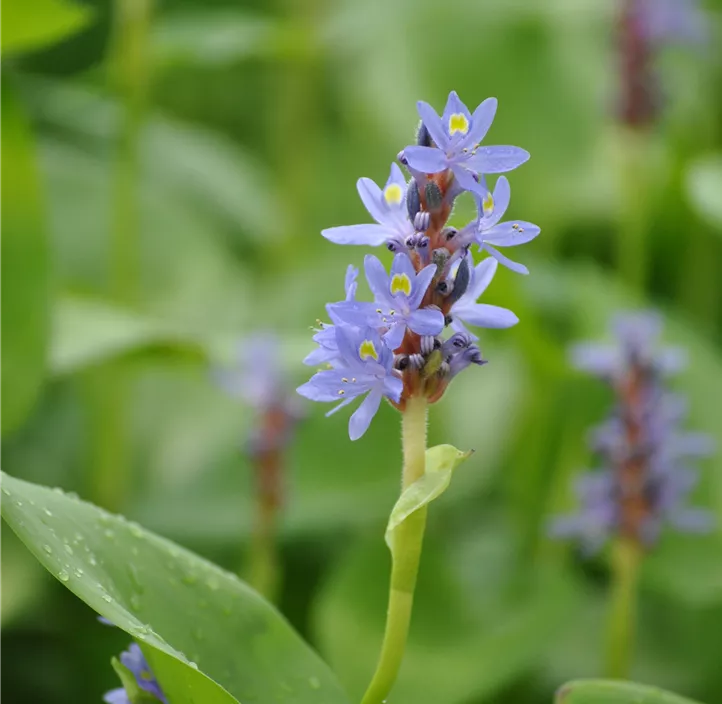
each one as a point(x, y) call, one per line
point(622, 617)
point(408, 541)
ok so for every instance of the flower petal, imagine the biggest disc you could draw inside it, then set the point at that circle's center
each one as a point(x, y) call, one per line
point(325, 386)
point(433, 124)
point(501, 198)
point(393, 387)
point(359, 422)
point(421, 283)
point(377, 278)
point(372, 198)
point(511, 234)
point(480, 279)
point(597, 359)
point(395, 335)
point(396, 177)
point(428, 160)
point(465, 179)
point(486, 316)
point(497, 160)
point(454, 106)
point(481, 122)
point(426, 321)
point(370, 235)
point(508, 263)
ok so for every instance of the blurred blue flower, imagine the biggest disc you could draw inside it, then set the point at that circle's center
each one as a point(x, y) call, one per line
point(672, 21)
point(364, 366)
point(135, 661)
point(457, 136)
point(645, 479)
point(387, 207)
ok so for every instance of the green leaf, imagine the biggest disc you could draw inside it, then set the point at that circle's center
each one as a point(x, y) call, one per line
point(131, 686)
point(611, 692)
point(207, 636)
point(32, 24)
point(25, 261)
point(441, 461)
point(704, 186)
point(87, 332)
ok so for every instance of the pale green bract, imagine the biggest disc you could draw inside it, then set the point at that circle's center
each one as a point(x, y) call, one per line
point(207, 636)
point(441, 461)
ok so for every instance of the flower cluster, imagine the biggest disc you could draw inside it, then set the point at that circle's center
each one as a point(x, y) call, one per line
point(394, 346)
point(646, 26)
point(134, 660)
point(645, 478)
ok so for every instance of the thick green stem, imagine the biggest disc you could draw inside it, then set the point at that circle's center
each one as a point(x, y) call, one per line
point(408, 540)
point(622, 617)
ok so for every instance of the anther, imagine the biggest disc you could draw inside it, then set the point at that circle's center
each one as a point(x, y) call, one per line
point(423, 138)
point(413, 201)
point(448, 319)
point(401, 361)
point(416, 361)
point(341, 392)
point(461, 280)
point(411, 241)
point(422, 220)
point(427, 344)
point(344, 379)
point(448, 233)
point(444, 287)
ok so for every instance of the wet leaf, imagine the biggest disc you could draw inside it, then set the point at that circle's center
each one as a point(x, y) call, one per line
point(207, 636)
point(610, 692)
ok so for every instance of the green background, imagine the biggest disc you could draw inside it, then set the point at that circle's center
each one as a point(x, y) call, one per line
point(167, 171)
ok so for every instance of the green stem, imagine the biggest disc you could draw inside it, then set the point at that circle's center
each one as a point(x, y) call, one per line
point(264, 571)
point(408, 540)
point(108, 394)
point(633, 242)
point(626, 557)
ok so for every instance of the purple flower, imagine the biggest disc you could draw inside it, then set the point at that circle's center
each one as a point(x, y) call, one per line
point(257, 377)
point(645, 479)
point(467, 310)
point(457, 136)
point(397, 297)
point(364, 366)
point(490, 233)
point(387, 207)
point(672, 21)
point(135, 661)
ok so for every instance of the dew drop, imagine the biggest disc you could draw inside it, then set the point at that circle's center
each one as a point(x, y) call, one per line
point(6, 491)
point(48, 549)
point(314, 682)
point(109, 534)
point(135, 602)
point(47, 512)
point(78, 572)
point(68, 549)
point(79, 538)
point(212, 583)
point(18, 503)
point(136, 531)
point(193, 664)
point(63, 576)
point(91, 560)
point(107, 598)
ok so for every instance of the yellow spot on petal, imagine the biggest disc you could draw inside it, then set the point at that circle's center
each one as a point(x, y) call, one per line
point(393, 194)
point(368, 349)
point(458, 123)
point(488, 204)
point(401, 283)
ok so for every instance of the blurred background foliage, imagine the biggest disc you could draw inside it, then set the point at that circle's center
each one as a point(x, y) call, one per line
point(167, 170)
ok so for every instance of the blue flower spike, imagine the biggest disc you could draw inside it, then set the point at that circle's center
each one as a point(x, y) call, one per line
point(397, 346)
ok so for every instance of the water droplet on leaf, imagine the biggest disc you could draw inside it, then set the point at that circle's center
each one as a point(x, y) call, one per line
point(63, 576)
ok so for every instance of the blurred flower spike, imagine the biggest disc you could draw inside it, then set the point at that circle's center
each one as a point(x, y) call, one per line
point(134, 661)
point(645, 479)
point(395, 346)
point(259, 380)
point(645, 27)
